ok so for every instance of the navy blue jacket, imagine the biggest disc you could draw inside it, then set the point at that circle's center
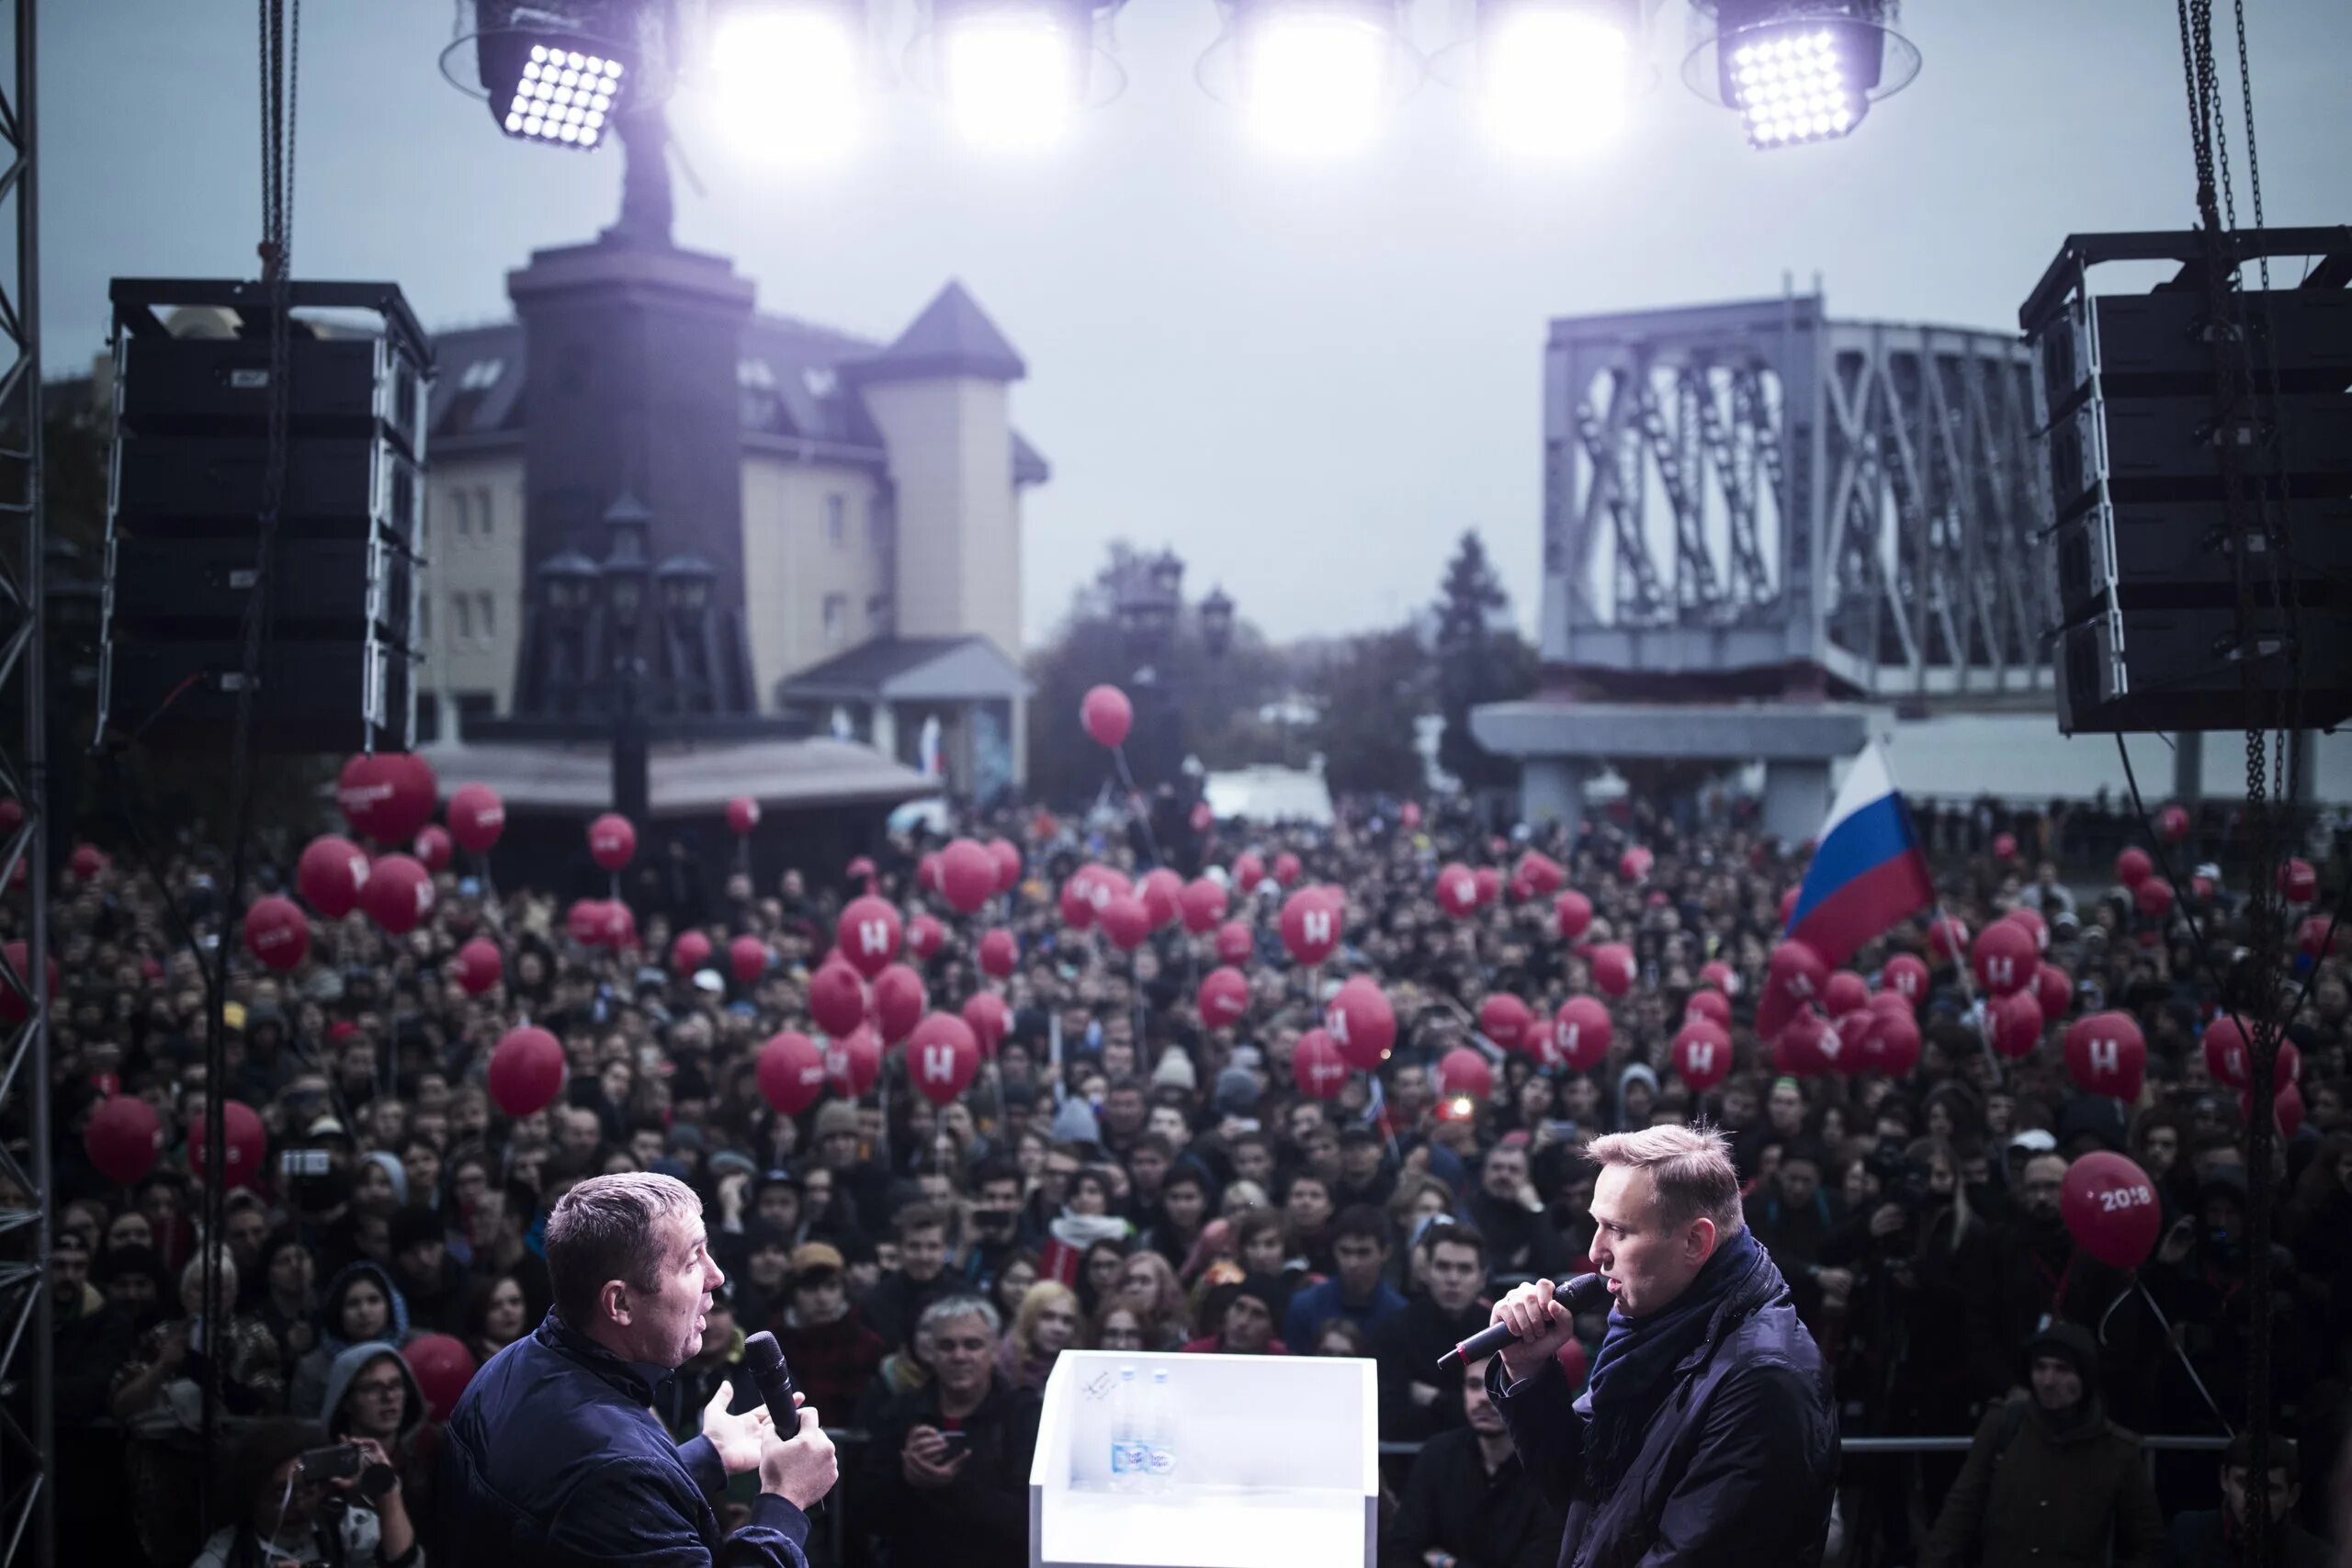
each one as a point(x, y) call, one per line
point(1738, 1470)
point(553, 1457)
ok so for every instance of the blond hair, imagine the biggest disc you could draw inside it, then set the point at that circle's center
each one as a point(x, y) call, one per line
point(1691, 1168)
point(605, 1228)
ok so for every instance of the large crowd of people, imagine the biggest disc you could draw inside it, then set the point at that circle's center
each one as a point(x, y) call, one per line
point(1123, 1175)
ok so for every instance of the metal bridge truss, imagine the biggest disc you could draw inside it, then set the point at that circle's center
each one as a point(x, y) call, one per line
point(1736, 491)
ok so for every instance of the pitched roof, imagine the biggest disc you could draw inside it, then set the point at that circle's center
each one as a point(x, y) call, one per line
point(910, 666)
point(952, 337)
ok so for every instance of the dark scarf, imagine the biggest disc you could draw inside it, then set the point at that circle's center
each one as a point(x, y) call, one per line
point(1633, 1372)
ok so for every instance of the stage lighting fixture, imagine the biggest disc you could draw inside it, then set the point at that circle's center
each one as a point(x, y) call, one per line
point(790, 78)
point(1554, 75)
point(559, 87)
point(1315, 75)
point(1802, 71)
point(1013, 72)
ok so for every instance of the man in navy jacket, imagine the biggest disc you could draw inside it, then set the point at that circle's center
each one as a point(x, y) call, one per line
point(1705, 1435)
point(553, 1455)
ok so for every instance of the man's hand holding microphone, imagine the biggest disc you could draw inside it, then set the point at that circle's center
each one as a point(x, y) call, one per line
point(1531, 1323)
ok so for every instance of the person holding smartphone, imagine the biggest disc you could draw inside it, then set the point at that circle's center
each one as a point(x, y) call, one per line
point(305, 1501)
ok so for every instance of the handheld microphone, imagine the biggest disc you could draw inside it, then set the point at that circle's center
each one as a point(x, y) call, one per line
point(763, 1359)
point(1584, 1293)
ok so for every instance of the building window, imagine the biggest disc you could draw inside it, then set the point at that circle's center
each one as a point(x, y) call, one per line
point(836, 520)
point(486, 609)
point(459, 514)
point(481, 375)
point(461, 617)
point(877, 614)
point(424, 619)
point(482, 512)
point(836, 619)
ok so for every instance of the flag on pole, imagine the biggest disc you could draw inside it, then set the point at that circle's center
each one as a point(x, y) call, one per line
point(1868, 869)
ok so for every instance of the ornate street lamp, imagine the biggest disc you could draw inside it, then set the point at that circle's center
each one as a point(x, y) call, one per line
point(1217, 623)
point(626, 572)
point(628, 577)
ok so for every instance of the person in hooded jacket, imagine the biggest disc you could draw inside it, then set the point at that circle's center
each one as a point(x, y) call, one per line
point(372, 1393)
point(361, 1304)
point(2050, 1482)
point(1706, 1433)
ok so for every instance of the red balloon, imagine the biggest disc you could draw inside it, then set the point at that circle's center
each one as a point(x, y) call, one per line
point(899, 1002)
point(861, 869)
point(2004, 958)
point(1794, 976)
point(791, 1072)
point(747, 959)
point(477, 817)
point(1578, 1037)
point(443, 1367)
point(1948, 938)
point(1249, 870)
point(611, 840)
point(330, 874)
point(1108, 715)
point(2034, 924)
point(1634, 863)
point(242, 1136)
point(615, 926)
point(836, 998)
point(277, 934)
point(1161, 892)
point(2016, 1023)
point(1127, 923)
point(478, 965)
point(2298, 882)
point(2226, 1053)
point(868, 935)
point(2132, 867)
point(526, 1069)
point(1457, 891)
point(2106, 1053)
point(1007, 855)
point(433, 846)
point(690, 951)
point(2319, 934)
point(398, 894)
point(925, 935)
point(87, 861)
point(942, 1057)
point(1844, 992)
point(1891, 1045)
point(1287, 870)
point(584, 922)
point(1805, 1046)
point(1235, 942)
point(1541, 874)
point(1720, 975)
point(742, 815)
point(999, 953)
point(2004, 846)
point(1612, 968)
point(386, 795)
point(1506, 1020)
point(1713, 1005)
point(2172, 823)
point(852, 1062)
point(1907, 976)
point(966, 876)
point(1224, 997)
point(12, 814)
point(1311, 926)
point(2153, 896)
point(2286, 1109)
point(123, 1138)
point(2110, 1206)
point(1360, 1022)
point(1317, 1066)
point(990, 1020)
point(1702, 1054)
point(1462, 1073)
point(1573, 911)
point(2054, 989)
point(1490, 882)
point(1201, 904)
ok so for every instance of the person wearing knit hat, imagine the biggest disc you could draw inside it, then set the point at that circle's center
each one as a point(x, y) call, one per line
point(1241, 1317)
point(1175, 1071)
point(1235, 1093)
point(836, 1118)
point(1075, 1123)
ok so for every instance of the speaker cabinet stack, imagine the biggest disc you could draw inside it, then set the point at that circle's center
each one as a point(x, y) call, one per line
point(189, 459)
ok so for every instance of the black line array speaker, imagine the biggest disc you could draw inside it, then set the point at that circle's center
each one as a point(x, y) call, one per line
point(188, 466)
point(2150, 638)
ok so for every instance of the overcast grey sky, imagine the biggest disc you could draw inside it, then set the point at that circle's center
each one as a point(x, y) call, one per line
point(1307, 379)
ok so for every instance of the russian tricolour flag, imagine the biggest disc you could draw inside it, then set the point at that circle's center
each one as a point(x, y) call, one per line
point(1868, 869)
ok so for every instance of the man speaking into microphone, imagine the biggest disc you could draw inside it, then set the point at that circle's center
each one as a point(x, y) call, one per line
point(554, 1455)
point(1706, 1433)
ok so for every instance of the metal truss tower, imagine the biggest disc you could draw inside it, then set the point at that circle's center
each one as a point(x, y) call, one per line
point(1752, 499)
point(26, 1451)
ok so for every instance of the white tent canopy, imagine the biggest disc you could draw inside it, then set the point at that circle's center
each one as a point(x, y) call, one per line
point(1271, 795)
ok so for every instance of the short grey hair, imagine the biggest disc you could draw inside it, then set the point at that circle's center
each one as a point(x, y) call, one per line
point(951, 1309)
point(1691, 1166)
point(606, 1229)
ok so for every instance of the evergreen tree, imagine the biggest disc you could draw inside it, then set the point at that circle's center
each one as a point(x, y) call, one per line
point(1480, 658)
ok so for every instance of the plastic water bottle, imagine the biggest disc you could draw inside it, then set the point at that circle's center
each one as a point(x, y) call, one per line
point(1159, 1432)
point(1130, 1455)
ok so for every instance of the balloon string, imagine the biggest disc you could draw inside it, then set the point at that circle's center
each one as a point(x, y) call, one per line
point(1119, 757)
point(2186, 1365)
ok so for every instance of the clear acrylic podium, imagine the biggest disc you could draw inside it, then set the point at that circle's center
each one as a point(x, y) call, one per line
point(1277, 1466)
